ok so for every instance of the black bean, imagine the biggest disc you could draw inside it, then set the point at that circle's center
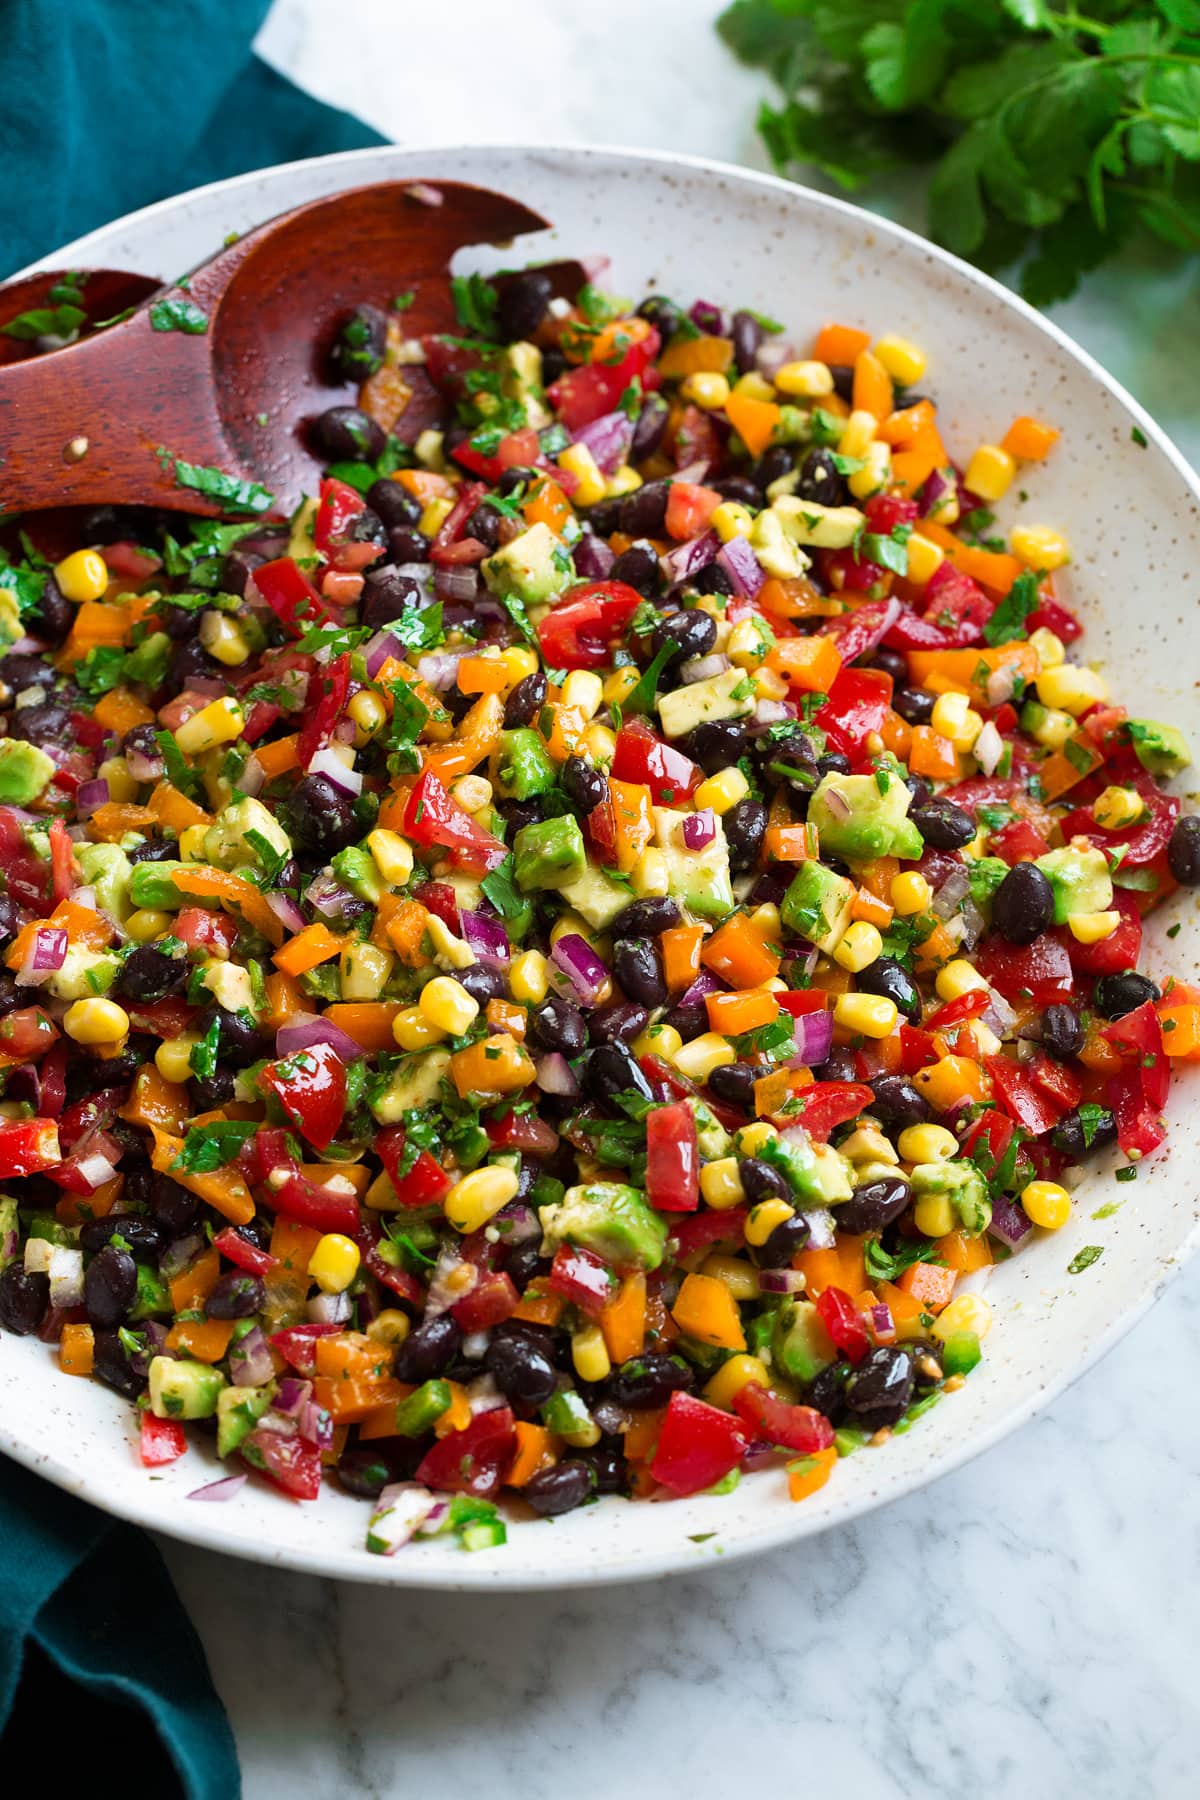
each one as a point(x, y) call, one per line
point(741, 489)
point(840, 1065)
point(256, 1231)
point(397, 508)
point(53, 615)
point(1183, 850)
point(832, 763)
point(919, 790)
point(873, 1205)
point(943, 825)
point(638, 970)
point(111, 1364)
point(794, 764)
point(583, 785)
point(179, 623)
point(647, 918)
point(174, 1208)
point(612, 1069)
point(46, 723)
point(143, 1236)
point(557, 1025)
point(1115, 995)
point(609, 1470)
point(237, 1295)
point(21, 669)
point(150, 974)
point(559, 1489)
point(712, 580)
point(12, 917)
point(239, 1043)
point(747, 336)
point(347, 434)
point(772, 466)
point(716, 745)
point(191, 659)
point(761, 1180)
point(1070, 1136)
point(1023, 904)
point(617, 1024)
point(236, 571)
point(522, 1263)
point(364, 1471)
point(520, 813)
point(663, 314)
point(522, 1369)
point(319, 817)
point(819, 480)
point(915, 705)
point(109, 1285)
point(526, 701)
point(689, 1021)
point(927, 1366)
point(638, 568)
point(483, 984)
point(522, 304)
point(484, 526)
point(210, 1091)
point(1062, 1032)
point(428, 1349)
point(892, 662)
point(745, 827)
point(889, 978)
point(648, 1381)
point(827, 1391)
point(651, 424)
point(387, 594)
point(879, 1390)
point(734, 1082)
point(693, 633)
point(787, 1239)
point(360, 343)
point(24, 1297)
point(843, 380)
point(644, 513)
point(407, 545)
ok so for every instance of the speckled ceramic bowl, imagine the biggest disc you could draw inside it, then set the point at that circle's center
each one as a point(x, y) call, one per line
point(1130, 509)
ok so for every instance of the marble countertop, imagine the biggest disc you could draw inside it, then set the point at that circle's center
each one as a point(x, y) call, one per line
point(1023, 1628)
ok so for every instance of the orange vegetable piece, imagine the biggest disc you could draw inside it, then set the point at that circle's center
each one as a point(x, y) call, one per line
point(872, 391)
point(963, 667)
point(1059, 773)
point(873, 911)
point(632, 819)
point(494, 1065)
point(477, 737)
point(153, 1101)
point(840, 345)
point(1029, 440)
point(897, 735)
point(796, 598)
point(234, 893)
point(928, 1284)
point(808, 663)
point(932, 754)
point(938, 948)
point(275, 759)
point(76, 1350)
point(349, 1402)
point(174, 810)
point(308, 949)
point(994, 569)
point(75, 1209)
point(380, 1422)
point(734, 1013)
point(109, 823)
point(482, 675)
point(820, 1268)
point(681, 955)
point(368, 1022)
point(205, 1339)
point(964, 1254)
point(642, 1434)
point(950, 1079)
point(385, 395)
point(284, 1000)
point(567, 727)
point(546, 505)
point(623, 1319)
point(538, 1306)
point(791, 843)
point(695, 356)
point(352, 1356)
point(740, 953)
point(192, 1286)
point(505, 1015)
point(537, 1449)
point(755, 421)
point(705, 1309)
point(224, 1188)
point(810, 1473)
point(292, 1246)
point(320, 1174)
point(120, 711)
point(457, 1415)
point(405, 931)
point(424, 485)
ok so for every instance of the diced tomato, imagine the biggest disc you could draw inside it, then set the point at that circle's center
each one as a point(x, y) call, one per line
point(826, 1104)
point(242, 1253)
point(585, 394)
point(689, 508)
point(843, 1322)
point(1140, 1128)
point(451, 531)
point(28, 1147)
point(129, 562)
point(1053, 616)
point(857, 632)
point(418, 1179)
point(162, 1441)
point(26, 1034)
point(324, 705)
point(292, 1463)
point(582, 1278)
point(578, 632)
point(642, 757)
point(884, 512)
point(339, 509)
point(701, 1230)
point(472, 1461)
point(1119, 951)
point(64, 870)
point(524, 1132)
point(52, 1081)
point(971, 1005)
point(1139, 1036)
point(310, 1085)
point(298, 1345)
point(672, 1159)
point(987, 1139)
point(1018, 842)
point(1140, 843)
point(439, 897)
point(492, 1300)
point(1039, 972)
point(165, 1018)
point(1021, 1098)
point(199, 929)
point(310, 1204)
point(858, 704)
point(433, 819)
point(794, 1427)
point(398, 1281)
point(697, 1446)
point(290, 595)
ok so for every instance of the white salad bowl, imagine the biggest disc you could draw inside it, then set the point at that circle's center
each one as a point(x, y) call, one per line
point(1129, 505)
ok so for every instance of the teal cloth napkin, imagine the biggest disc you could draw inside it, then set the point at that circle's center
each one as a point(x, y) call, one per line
point(109, 105)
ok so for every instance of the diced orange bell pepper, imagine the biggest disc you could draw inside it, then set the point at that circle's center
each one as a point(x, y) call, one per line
point(681, 955)
point(839, 346)
point(791, 843)
point(368, 1022)
point(308, 949)
point(425, 485)
point(537, 1449)
point(568, 726)
point(930, 1285)
point(349, 1402)
point(276, 758)
point(192, 1286)
point(740, 953)
point(872, 911)
point(205, 1339)
point(153, 1101)
point(872, 391)
point(755, 421)
point(235, 894)
point(546, 505)
point(706, 1310)
point(932, 755)
point(994, 569)
point(934, 950)
point(505, 1015)
point(623, 1319)
point(174, 810)
point(357, 1174)
point(797, 598)
point(1029, 440)
point(380, 1422)
point(492, 1066)
point(482, 675)
point(820, 1268)
point(1180, 1020)
point(951, 1079)
point(77, 1209)
point(964, 1254)
point(110, 822)
point(968, 670)
point(223, 1188)
point(701, 355)
point(120, 711)
point(642, 1434)
point(808, 663)
point(385, 395)
point(1060, 772)
point(352, 1356)
point(538, 1306)
point(457, 1415)
point(76, 1349)
point(633, 820)
point(732, 1014)
point(285, 1000)
point(897, 735)
point(477, 737)
point(808, 1474)
point(292, 1246)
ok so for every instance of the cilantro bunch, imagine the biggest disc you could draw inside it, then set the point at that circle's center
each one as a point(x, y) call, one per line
point(1054, 135)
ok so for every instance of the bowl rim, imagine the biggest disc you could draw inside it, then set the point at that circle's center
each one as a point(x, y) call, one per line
point(202, 1529)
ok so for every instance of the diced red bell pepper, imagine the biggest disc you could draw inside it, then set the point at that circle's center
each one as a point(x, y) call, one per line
point(697, 1446)
point(1139, 1036)
point(310, 1085)
point(701, 1230)
point(129, 562)
point(162, 1441)
point(272, 1147)
point(339, 508)
point(987, 1139)
point(858, 704)
point(520, 449)
point(397, 1281)
point(672, 1159)
point(418, 1180)
point(689, 508)
point(450, 533)
point(439, 898)
point(309, 1204)
point(642, 757)
point(298, 1345)
point(800, 1428)
point(581, 1278)
point(292, 1463)
point(1033, 1109)
point(1039, 972)
point(1060, 1082)
point(242, 1253)
point(52, 1081)
point(884, 512)
point(433, 820)
point(1053, 616)
point(472, 1461)
point(1140, 843)
point(917, 1048)
point(522, 1131)
point(799, 1001)
point(863, 629)
point(1140, 1127)
point(585, 394)
point(1119, 951)
point(1018, 842)
point(826, 1104)
point(64, 870)
point(259, 720)
point(490, 1301)
point(579, 631)
point(28, 1147)
point(165, 1018)
point(911, 632)
point(664, 1079)
point(324, 706)
point(971, 1005)
point(846, 571)
point(291, 596)
point(844, 1323)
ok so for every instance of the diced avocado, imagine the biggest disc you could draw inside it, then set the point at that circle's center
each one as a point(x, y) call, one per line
point(229, 840)
point(610, 1220)
point(11, 627)
point(301, 544)
point(356, 869)
point(8, 1231)
point(985, 874)
point(522, 767)
point(152, 886)
point(153, 1299)
point(149, 661)
point(825, 527)
point(800, 1345)
point(24, 771)
point(698, 878)
point(815, 1172)
point(832, 1176)
point(817, 905)
point(84, 973)
point(107, 868)
point(1162, 749)
point(1080, 878)
point(549, 853)
point(771, 544)
point(533, 567)
point(415, 1081)
point(183, 1390)
point(521, 380)
point(858, 821)
point(964, 1186)
point(729, 695)
point(230, 986)
point(238, 1411)
point(711, 1135)
point(594, 896)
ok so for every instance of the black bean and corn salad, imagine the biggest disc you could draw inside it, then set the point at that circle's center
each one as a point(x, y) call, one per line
point(558, 971)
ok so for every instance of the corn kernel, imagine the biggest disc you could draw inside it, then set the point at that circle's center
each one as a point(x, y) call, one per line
point(447, 1004)
point(621, 683)
point(473, 792)
point(733, 1376)
point(476, 1197)
point(934, 1215)
point(448, 950)
point(769, 921)
point(949, 711)
point(144, 926)
point(569, 924)
point(867, 1143)
point(910, 893)
point(589, 1353)
point(705, 389)
point(768, 685)
point(1117, 807)
point(82, 576)
point(754, 386)
point(334, 1263)
point(96, 1021)
point(433, 516)
point(1039, 547)
point(429, 450)
point(1054, 729)
point(764, 1218)
point(1093, 928)
point(392, 856)
point(875, 473)
point(625, 480)
point(721, 1183)
point(861, 945)
point(806, 380)
point(1048, 647)
point(600, 743)
point(990, 472)
point(903, 360)
point(364, 970)
point(1047, 1204)
point(224, 639)
point(369, 715)
point(739, 1276)
point(528, 978)
point(721, 792)
point(217, 723)
point(1071, 688)
point(750, 1140)
point(958, 977)
point(584, 689)
point(390, 1326)
point(519, 661)
point(698, 1059)
point(866, 1015)
point(966, 1312)
point(927, 1144)
point(191, 843)
point(413, 1031)
point(945, 511)
point(172, 1058)
point(732, 520)
point(925, 558)
point(590, 486)
point(858, 434)
point(659, 1040)
point(651, 877)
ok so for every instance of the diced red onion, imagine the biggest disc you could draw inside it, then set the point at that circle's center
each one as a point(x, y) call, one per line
point(934, 489)
point(49, 951)
point(707, 317)
point(252, 779)
point(700, 828)
point(442, 1295)
point(456, 582)
point(760, 1455)
point(772, 354)
point(66, 1276)
point(814, 1038)
point(401, 1508)
point(881, 1320)
point(742, 567)
point(475, 1348)
point(250, 1363)
point(838, 804)
point(343, 732)
point(180, 1255)
point(609, 439)
point(950, 895)
point(999, 1017)
point(154, 1338)
point(487, 938)
point(381, 646)
point(771, 712)
point(144, 768)
point(781, 1281)
point(286, 911)
point(702, 668)
point(517, 1223)
point(688, 559)
point(294, 1393)
point(705, 983)
point(304, 1030)
point(95, 1168)
point(423, 194)
point(316, 1424)
point(439, 669)
point(1010, 1223)
point(89, 795)
point(593, 558)
point(328, 763)
point(580, 964)
point(694, 472)
point(556, 1076)
point(326, 895)
point(988, 748)
point(820, 1228)
point(1001, 685)
point(224, 1489)
point(329, 1309)
point(973, 923)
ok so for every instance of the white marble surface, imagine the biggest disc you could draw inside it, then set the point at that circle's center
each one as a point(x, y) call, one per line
point(1024, 1628)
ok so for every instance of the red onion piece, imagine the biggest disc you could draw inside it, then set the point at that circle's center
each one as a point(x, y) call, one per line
point(293, 1395)
point(327, 896)
point(224, 1489)
point(381, 646)
point(456, 582)
point(556, 1076)
point(401, 1509)
point(180, 1255)
point(487, 938)
point(705, 983)
point(439, 669)
point(252, 779)
point(820, 1228)
point(881, 1320)
point(593, 558)
point(742, 567)
point(326, 762)
point(935, 488)
point(700, 668)
point(311, 1028)
point(700, 828)
point(814, 1037)
point(49, 948)
point(250, 1363)
point(688, 559)
point(707, 316)
point(316, 1425)
point(609, 439)
point(286, 911)
point(329, 1309)
point(771, 355)
point(1010, 1223)
point(89, 795)
point(580, 964)
point(781, 1281)
point(951, 893)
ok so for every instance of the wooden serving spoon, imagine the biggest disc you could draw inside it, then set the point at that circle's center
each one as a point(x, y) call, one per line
point(105, 419)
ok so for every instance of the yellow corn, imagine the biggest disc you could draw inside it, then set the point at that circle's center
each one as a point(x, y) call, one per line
point(589, 1353)
point(217, 723)
point(875, 473)
point(925, 558)
point(741, 1278)
point(1039, 547)
point(590, 486)
point(861, 945)
point(143, 927)
point(413, 1030)
point(584, 689)
point(369, 715)
point(958, 977)
point(473, 792)
point(910, 893)
point(447, 1005)
point(600, 743)
point(768, 685)
point(434, 516)
point(1047, 1204)
point(721, 1184)
point(1093, 928)
point(858, 434)
point(934, 1215)
point(626, 480)
point(990, 472)
point(705, 389)
point(334, 1263)
point(392, 856)
point(172, 1059)
point(224, 639)
point(904, 362)
point(1117, 807)
point(1048, 647)
point(750, 1140)
point(966, 1312)
point(733, 1376)
point(804, 380)
point(698, 1059)
point(529, 978)
point(753, 386)
point(620, 683)
point(732, 520)
point(866, 1015)
point(746, 645)
point(96, 1021)
point(764, 1218)
point(927, 1144)
point(659, 1040)
point(390, 1326)
point(476, 1197)
point(82, 576)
